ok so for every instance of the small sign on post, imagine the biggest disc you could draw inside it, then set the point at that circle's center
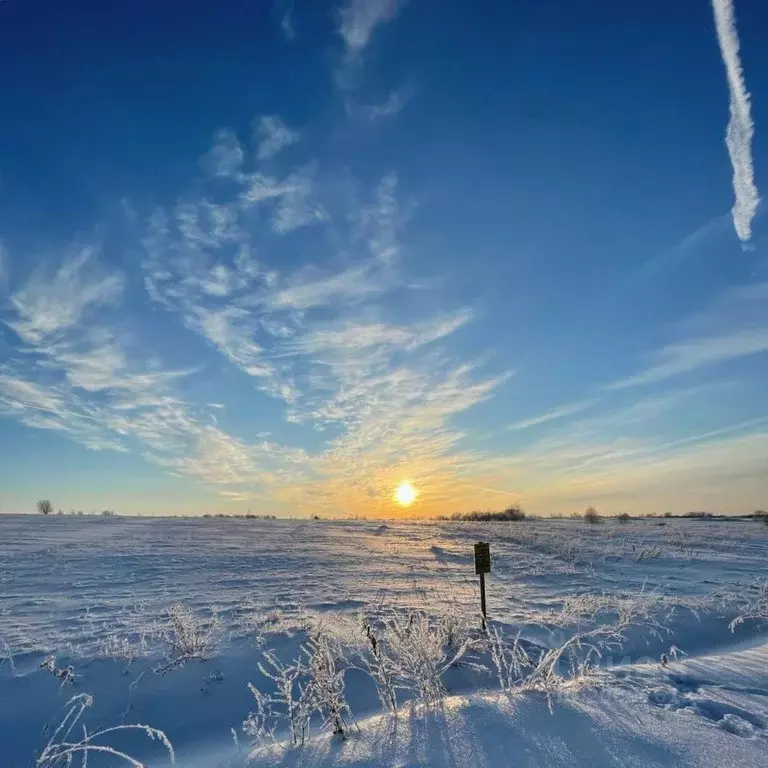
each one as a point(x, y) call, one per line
point(482, 566)
point(482, 557)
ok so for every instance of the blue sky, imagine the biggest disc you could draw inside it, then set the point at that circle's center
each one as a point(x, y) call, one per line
point(283, 256)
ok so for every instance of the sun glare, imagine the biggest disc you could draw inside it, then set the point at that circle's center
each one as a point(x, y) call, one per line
point(405, 494)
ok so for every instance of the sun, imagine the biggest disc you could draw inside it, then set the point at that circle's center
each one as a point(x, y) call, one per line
point(405, 494)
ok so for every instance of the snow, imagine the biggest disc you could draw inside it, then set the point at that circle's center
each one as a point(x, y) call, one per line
point(101, 595)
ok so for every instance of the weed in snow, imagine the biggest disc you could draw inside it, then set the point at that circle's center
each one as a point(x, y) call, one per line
point(647, 553)
point(572, 662)
point(754, 605)
point(312, 685)
point(122, 648)
point(381, 668)
point(188, 637)
point(290, 701)
point(326, 685)
point(8, 656)
point(65, 674)
point(60, 751)
point(511, 661)
point(421, 650)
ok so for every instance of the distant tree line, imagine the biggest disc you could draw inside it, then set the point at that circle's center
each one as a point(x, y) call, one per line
point(512, 513)
point(592, 516)
point(44, 507)
point(249, 516)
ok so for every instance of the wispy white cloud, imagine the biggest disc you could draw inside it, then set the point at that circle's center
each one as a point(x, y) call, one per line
point(183, 271)
point(617, 431)
point(74, 376)
point(686, 249)
point(683, 357)
point(225, 158)
point(287, 25)
point(740, 126)
point(206, 224)
point(234, 496)
point(717, 471)
point(359, 18)
point(230, 331)
point(623, 459)
point(552, 415)
point(261, 188)
point(370, 337)
point(734, 327)
point(315, 288)
point(52, 407)
point(297, 206)
point(273, 135)
point(53, 316)
point(19, 394)
point(391, 106)
point(380, 222)
point(293, 199)
point(46, 307)
point(145, 417)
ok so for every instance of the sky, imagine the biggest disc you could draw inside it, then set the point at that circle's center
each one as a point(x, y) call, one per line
point(283, 256)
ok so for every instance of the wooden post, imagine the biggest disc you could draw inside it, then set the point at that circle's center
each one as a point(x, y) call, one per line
point(482, 598)
point(482, 566)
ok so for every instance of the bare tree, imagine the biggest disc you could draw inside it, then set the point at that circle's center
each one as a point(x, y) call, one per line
point(44, 507)
point(591, 516)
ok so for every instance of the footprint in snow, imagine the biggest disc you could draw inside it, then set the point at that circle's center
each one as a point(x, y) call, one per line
point(736, 725)
point(732, 719)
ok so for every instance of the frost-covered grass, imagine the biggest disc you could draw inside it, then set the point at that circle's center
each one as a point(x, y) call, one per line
point(62, 748)
point(318, 627)
point(187, 636)
point(752, 602)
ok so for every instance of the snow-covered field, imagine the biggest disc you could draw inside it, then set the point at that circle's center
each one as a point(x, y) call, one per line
point(374, 629)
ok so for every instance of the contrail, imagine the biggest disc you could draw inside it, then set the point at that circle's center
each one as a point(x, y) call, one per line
point(738, 137)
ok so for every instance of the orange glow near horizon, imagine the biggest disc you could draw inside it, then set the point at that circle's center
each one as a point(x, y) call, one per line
point(405, 494)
